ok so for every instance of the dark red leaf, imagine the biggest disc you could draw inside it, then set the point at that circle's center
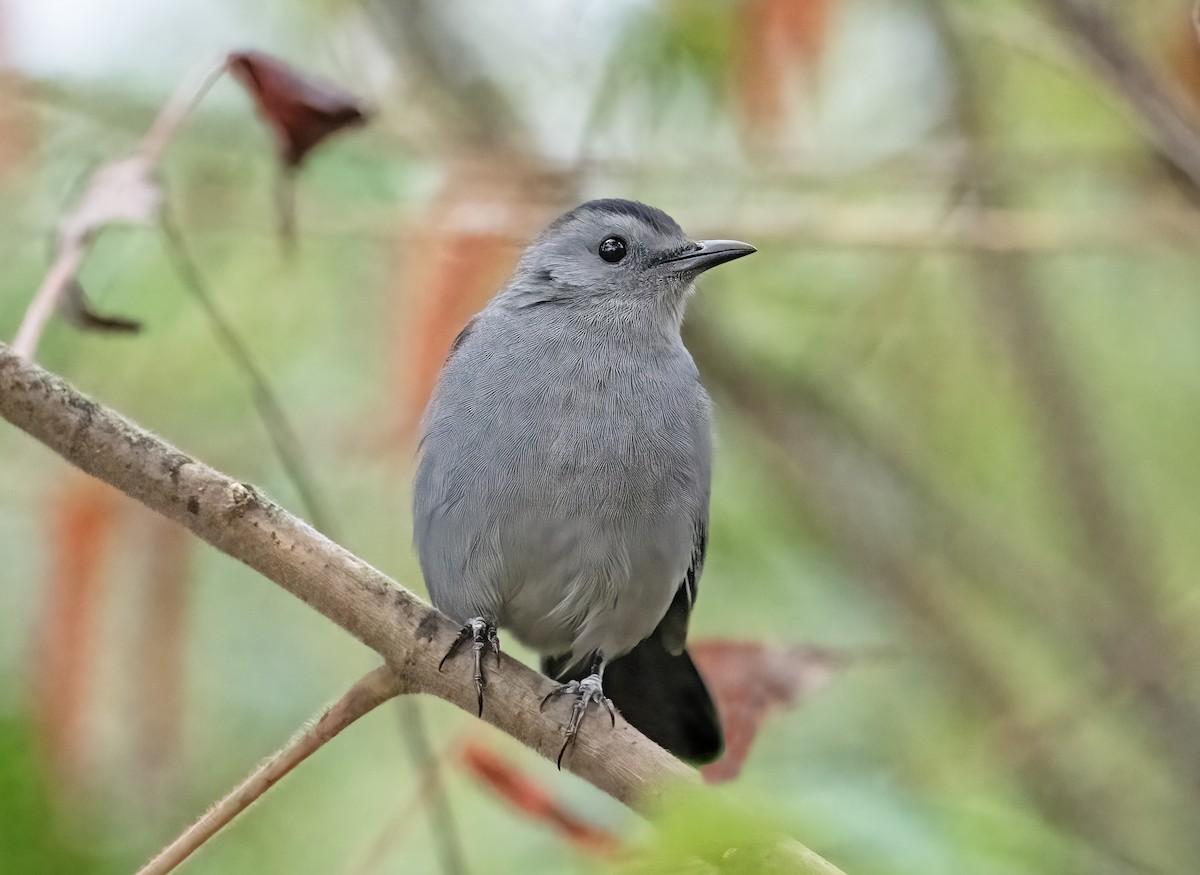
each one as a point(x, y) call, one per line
point(81, 528)
point(749, 680)
point(456, 254)
point(18, 119)
point(301, 110)
point(77, 309)
point(781, 41)
point(532, 799)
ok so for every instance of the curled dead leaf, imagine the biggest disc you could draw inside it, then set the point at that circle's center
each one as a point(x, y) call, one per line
point(121, 192)
point(457, 253)
point(300, 109)
point(749, 680)
point(80, 535)
point(780, 46)
point(77, 310)
point(530, 798)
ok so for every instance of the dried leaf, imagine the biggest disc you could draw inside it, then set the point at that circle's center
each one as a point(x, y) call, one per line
point(532, 799)
point(300, 110)
point(749, 680)
point(80, 528)
point(780, 45)
point(461, 250)
point(77, 310)
point(122, 192)
point(18, 122)
point(1182, 47)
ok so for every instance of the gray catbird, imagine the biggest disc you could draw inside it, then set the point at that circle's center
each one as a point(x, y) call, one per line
point(563, 477)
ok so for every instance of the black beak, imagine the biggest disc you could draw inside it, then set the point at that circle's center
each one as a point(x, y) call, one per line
point(706, 254)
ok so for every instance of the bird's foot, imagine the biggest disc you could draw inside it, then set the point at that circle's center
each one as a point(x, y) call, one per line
point(482, 632)
point(586, 692)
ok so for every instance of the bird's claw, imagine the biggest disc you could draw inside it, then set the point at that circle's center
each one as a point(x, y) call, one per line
point(482, 632)
point(586, 692)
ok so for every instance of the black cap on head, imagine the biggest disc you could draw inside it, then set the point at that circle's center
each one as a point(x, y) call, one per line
point(651, 216)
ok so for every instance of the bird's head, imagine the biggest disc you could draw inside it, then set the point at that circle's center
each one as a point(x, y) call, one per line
point(617, 254)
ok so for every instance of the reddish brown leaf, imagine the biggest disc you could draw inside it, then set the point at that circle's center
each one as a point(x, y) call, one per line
point(532, 799)
point(18, 124)
point(460, 251)
point(80, 528)
point(77, 309)
point(18, 129)
point(749, 680)
point(300, 109)
point(1182, 47)
point(780, 44)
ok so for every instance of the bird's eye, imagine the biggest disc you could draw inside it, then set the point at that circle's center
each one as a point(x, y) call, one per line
point(612, 249)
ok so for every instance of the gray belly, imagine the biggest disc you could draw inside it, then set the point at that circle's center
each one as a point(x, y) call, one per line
point(591, 583)
point(561, 500)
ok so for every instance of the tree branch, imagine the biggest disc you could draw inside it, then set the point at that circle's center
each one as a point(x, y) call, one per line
point(410, 636)
point(238, 520)
point(1110, 56)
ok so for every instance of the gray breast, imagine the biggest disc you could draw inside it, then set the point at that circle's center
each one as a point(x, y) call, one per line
point(562, 471)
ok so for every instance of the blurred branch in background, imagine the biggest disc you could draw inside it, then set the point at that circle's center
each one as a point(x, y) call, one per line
point(1131, 635)
point(1094, 35)
point(445, 825)
point(889, 528)
point(283, 436)
point(447, 81)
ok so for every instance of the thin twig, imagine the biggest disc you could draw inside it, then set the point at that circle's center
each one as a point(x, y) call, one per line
point(285, 207)
point(395, 826)
point(372, 690)
point(64, 269)
point(283, 437)
point(441, 815)
point(179, 106)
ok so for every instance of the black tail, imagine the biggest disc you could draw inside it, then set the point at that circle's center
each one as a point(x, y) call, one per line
point(663, 696)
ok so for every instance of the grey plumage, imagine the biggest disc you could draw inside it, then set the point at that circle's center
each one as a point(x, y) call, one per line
point(563, 478)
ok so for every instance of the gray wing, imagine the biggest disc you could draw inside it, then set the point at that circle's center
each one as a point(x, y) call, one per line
point(674, 626)
point(439, 487)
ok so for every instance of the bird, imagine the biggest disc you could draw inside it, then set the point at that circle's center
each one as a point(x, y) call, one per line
point(563, 472)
